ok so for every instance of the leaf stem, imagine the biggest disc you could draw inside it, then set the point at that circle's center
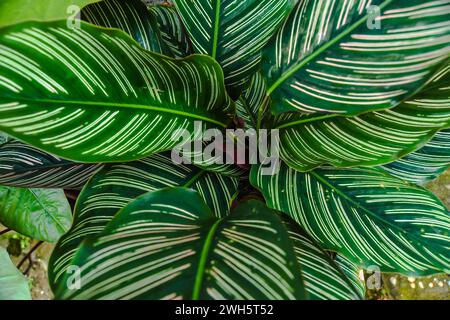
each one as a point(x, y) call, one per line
point(28, 255)
point(216, 30)
point(4, 231)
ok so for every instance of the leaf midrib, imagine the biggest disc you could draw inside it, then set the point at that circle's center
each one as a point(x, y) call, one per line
point(216, 30)
point(203, 260)
point(292, 70)
point(370, 213)
point(47, 213)
point(126, 105)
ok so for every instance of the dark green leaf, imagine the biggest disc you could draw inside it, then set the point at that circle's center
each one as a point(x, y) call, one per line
point(66, 91)
point(425, 164)
point(233, 33)
point(168, 244)
point(22, 165)
point(330, 57)
point(366, 215)
point(116, 185)
point(374, 138)
point(172, 30)
point(130, 16)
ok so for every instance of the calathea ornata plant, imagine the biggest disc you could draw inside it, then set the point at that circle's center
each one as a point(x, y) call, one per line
point(356, 98)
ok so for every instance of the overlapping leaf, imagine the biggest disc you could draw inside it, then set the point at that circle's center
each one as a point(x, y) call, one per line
point(366, 215)
point(252, 105)
point(323, 279)
point(168, 245)
point(130, 16)
point(375, 138)
point(425, 164)
point(233, 32)
point(25, 166)
point(67, 92)
point(42, 214)
point(13, 284)
point(352, 271)
point(116, 185)
point(172, 30)
point(331, 56)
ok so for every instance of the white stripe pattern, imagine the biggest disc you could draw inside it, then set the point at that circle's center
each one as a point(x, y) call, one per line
point(158, 248)
point(327, 58)
point(119, 184)
point(425, 164)
point(367, 215)
point(233, 32)
point(86, 106)
point(371, 139)
point(25, 166)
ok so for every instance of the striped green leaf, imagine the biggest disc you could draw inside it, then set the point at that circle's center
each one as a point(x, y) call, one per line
point(13, 284)
point(252, 105)
point(213, 163)
point(67, 92)
point(16, 11)
point(323, 279)
point(331, 57)
point(118, 184)
point(375, 138)
point(368, 216)
point(425, 164)
point(130, 16)
point(42, 214)
point(25, 166)
point(173, 243)
point(172, 31)
point(352, 271)
point(168, 244)
point(233, 33)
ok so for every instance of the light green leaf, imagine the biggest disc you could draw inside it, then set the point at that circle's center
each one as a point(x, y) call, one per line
point(118, 184)
point(13, 285)
point(130, 16)
point(425, 164)
point(67, 92)
point(331, 57)
point(233, 33)
point(172, 30)
point(168, 244)
point(41, 214)
point(375, 138)
point(368, 216)
point(4, 138)
point(25, 166)
point(16, 11)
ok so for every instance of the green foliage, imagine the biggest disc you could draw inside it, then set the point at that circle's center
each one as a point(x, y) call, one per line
point(13, 285)
point(370, 217)
point(362, 112)
point(42, 214)
point(16, 11)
